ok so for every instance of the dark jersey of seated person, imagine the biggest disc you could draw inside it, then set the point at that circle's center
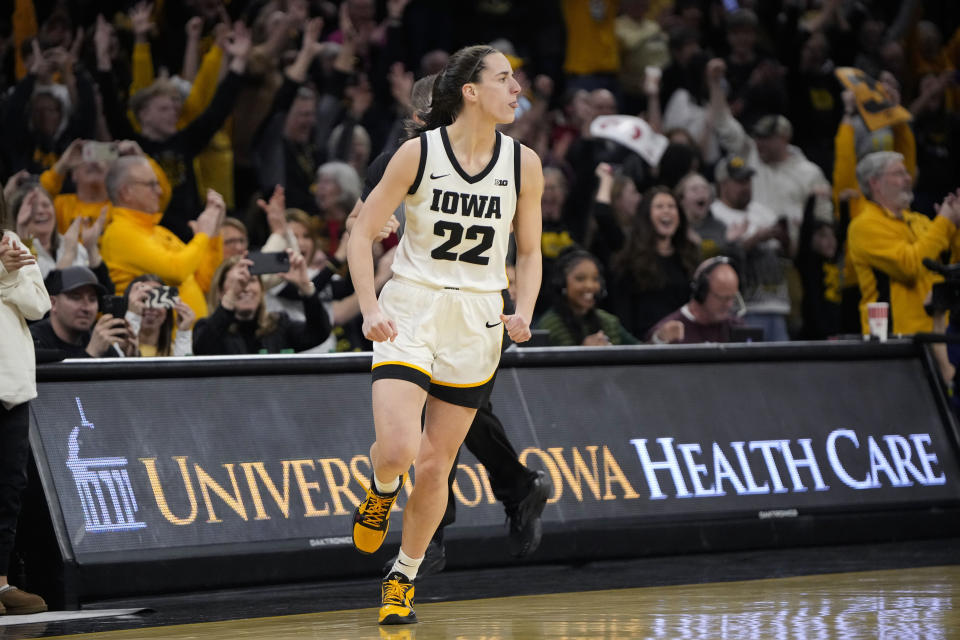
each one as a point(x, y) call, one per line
point(695, 332)
point(222, 333)
point(371, 179)
point(44, 337)
point(640, 308)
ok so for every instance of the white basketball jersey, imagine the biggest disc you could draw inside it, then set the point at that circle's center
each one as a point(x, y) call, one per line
point(458, 226)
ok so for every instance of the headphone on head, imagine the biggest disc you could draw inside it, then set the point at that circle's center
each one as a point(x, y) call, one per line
point(700, 285)
point(567, 259)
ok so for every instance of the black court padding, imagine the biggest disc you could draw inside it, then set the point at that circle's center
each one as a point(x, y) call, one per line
point(581, 414)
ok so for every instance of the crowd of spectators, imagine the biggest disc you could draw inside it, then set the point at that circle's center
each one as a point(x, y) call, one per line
point(154, 145)
point(808, 163)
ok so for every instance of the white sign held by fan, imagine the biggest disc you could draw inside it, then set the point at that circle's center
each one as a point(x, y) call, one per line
point(633, 133)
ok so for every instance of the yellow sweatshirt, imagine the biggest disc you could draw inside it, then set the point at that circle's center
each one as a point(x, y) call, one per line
point(135, 244)
point(887, 254)
point(845, 176)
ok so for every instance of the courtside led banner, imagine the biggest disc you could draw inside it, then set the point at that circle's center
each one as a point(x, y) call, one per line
point(163, 463)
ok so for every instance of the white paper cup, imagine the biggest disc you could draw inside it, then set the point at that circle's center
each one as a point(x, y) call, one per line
point(878, 315)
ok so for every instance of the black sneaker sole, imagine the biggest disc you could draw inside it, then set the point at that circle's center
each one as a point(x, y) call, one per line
point(395, 619)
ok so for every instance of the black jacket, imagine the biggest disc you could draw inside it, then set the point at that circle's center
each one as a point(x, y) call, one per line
point(222, 334)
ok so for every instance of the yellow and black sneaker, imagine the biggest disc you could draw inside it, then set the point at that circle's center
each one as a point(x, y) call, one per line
point(396, 605)
point(371, 520)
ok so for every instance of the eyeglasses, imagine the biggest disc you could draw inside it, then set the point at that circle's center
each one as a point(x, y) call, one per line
point(897, 173)
point(153, 184)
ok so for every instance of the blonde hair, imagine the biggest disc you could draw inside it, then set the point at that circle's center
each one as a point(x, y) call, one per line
point(266, 321)
point(143, 97)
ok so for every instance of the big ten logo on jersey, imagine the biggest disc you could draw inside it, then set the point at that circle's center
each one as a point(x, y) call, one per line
point(467, 204)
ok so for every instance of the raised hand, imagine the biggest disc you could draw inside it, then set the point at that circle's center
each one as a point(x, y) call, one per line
point(137, 300)
point(185, 315)
point(14, 183)
point(102, 33)
point(141, 20)
point(13, 257)
point(311, 37)
point(237, 46)
point(194, 28)
point(211, 217)
point(129, 148)
point(401, 83)
point(716, 70)
point(70, 158)
point(235, 282)
point(71, 237)
point(40, 65)
point(91, 234)
point(106, 332)
point(950, 207)
point(275, 209)
point(239, 41)
point(60, 59)
point(26, 209)
point(395, 9)
point(297, 273)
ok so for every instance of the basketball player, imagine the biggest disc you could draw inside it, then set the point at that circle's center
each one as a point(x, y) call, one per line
point(436, 327)
point(522, 491)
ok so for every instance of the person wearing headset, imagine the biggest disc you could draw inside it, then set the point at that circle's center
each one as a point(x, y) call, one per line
point(574, 319)
point(714, 307)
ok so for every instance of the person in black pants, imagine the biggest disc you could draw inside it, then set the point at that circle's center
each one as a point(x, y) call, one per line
point(522, 491)
point(22, 297)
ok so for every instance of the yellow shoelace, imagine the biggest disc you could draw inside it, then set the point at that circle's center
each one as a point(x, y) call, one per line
point(395, 593)
point(376, 510)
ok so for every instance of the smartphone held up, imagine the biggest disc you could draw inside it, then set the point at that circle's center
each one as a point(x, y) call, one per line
point(268, 262)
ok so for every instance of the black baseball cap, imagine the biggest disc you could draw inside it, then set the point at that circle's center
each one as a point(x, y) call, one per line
point(63, 280)
point(733, 168)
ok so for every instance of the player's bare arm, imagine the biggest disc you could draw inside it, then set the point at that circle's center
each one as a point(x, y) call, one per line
point(376, 211)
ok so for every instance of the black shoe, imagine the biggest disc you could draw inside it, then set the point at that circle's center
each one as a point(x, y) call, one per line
point(434, 560)
point(524, 519)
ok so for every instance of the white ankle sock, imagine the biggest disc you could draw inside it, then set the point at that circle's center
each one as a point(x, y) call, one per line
point(406, 565)
point(5, 587)
point(385, 487)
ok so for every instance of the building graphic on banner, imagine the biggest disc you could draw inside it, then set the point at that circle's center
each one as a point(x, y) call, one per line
point(103, 485)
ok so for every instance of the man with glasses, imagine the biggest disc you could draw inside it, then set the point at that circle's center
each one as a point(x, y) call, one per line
point(135, 244)
point(888, 243)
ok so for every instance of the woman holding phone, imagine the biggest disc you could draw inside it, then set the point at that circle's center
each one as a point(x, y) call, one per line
point(153, 316)
point(22, 297)
point(241, 323)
